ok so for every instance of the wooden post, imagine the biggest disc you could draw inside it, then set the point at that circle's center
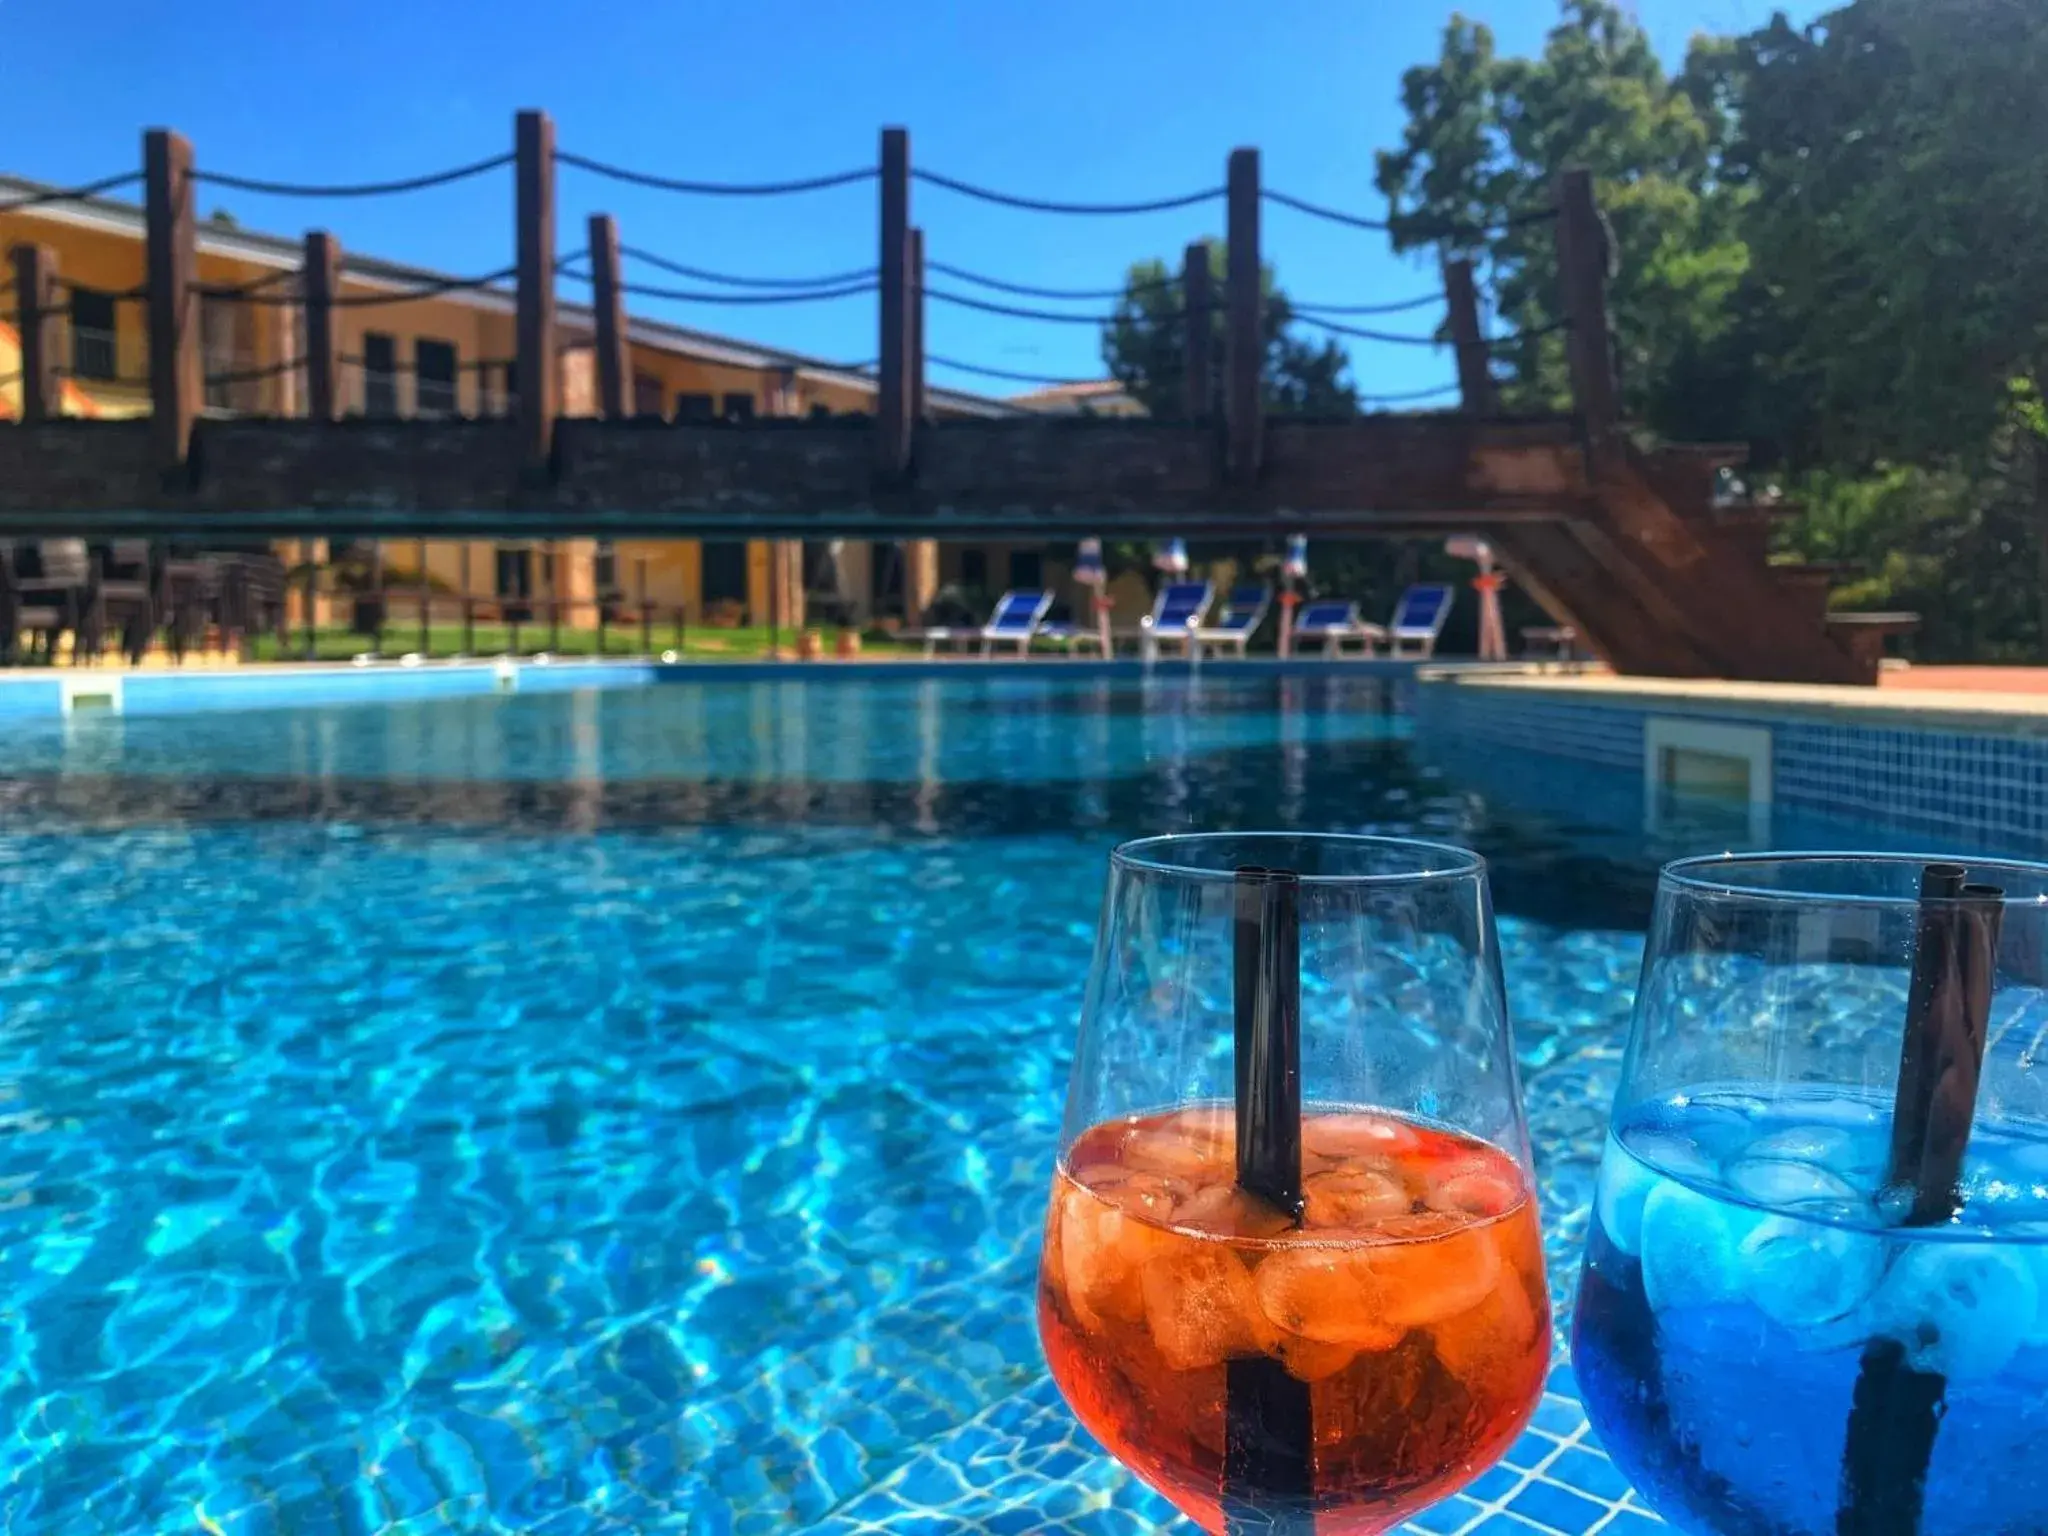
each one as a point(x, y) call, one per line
point(468, 604)
point(1245, 340)
point(321, 280)
point(1582, 273)
point(1475, 376)
point(646, 613)
point(1199, 331)
point(170, 241)
point(554, 573)
point(426, 599)
point(539, 385)
point(309, 556)
point(914, 255)
point(614, 368)
point(893, 385)
point(36, 316)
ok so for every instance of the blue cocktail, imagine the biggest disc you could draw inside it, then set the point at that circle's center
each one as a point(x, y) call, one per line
point(1786, 1323)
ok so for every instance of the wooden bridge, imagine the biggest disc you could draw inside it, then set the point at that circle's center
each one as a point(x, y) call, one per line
point(1626, 542)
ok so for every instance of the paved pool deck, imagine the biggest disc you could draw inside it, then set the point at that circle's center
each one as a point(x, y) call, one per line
point(1978, 700)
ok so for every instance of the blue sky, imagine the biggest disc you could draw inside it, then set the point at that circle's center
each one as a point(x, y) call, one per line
point(1054, 98)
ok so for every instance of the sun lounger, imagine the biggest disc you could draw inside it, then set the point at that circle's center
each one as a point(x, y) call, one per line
point(1018, 613)
point(1176, 614)
point(1335, 622)
point(1419, 618)
point(1243, 611)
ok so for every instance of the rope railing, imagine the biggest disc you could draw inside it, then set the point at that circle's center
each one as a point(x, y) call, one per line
point(700, 296)
point(352, 189)
point(1047, 205)
point(73, 194)
point(1386, 226)
point(1007, 375)
point(715, 188)
point(1362, 334)
point(243, 290)
point(1409, 397)
point(1394, 307)
point(702, 275)
point(1030, 291)
point(254, 375)
point(990, 307)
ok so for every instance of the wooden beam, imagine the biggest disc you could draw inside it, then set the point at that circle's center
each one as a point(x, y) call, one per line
point(1475, 373)
point(614, 357)
point(894, 386)
point(914, 255)
point(539, 383)
point(170, 206)
point(1582, 257)
point(36, 316)
point(320, 279)
point(1198, 332)
point(1245, 341)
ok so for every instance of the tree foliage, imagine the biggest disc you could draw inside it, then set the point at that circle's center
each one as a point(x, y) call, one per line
point(1830, 242)
point(1145, 346)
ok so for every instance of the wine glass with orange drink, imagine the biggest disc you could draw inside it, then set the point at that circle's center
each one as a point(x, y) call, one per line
point(1292, 1276)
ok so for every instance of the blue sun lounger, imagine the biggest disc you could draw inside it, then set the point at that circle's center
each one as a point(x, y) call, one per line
point(1419, 618)
point(1018, 613)
point(1244, 610)
point(1335, 620)
point(1176, 615)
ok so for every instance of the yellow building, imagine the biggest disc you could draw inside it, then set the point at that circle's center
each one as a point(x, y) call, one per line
point(451, 353)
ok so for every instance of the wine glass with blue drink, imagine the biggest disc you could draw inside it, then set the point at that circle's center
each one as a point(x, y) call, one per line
point(1815, 1296)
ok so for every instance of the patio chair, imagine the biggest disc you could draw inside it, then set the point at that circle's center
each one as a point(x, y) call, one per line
point(1176, 614)
point(1334, 621)
point(1419, 618)
point(1018, 613)
point(129, 599)
point(1244, 610)
point(54, 586)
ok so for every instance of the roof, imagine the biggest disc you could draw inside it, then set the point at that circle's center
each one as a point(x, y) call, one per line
point(1089, 395)
point(285, 254)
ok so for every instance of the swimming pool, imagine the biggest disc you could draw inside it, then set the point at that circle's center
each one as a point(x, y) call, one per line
point(632, 1111)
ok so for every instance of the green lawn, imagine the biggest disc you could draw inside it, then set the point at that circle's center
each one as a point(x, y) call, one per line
point(699, 644)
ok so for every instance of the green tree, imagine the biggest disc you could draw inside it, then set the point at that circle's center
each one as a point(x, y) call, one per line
point(1144, 346)
point(1485, 140)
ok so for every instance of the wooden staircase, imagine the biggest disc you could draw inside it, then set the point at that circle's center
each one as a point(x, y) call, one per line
point(1664, 580)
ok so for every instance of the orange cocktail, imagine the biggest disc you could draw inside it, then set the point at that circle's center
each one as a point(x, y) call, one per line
point(1410, 1299)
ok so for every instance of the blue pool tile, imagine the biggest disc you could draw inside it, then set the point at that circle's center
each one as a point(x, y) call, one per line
point(1530, 1450)
point(1447, 1518)
point(1633, 1522)
point(1589, 1472)
point(1560, 1416)
point(1494, 1484)
point(1558, 1508)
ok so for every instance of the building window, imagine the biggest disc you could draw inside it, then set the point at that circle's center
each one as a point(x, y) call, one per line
point(725, 571)
point(380, 374)
point(218, 354)
point(1027, 569)
point(737, 408)
point(515, 572)
point(92, 334)
point(433, 370)
point(696, 407)
point(646, 395)
point(604, 567)
point(820, 410)
point(974, 569)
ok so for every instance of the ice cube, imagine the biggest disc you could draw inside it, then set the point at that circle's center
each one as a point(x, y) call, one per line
point(1961, 1309)
point(1482, 1342)
point(1629, 1172)
point(1175, 1146)
point(1476, 1186)
point(1350, 1198)
point(1812, 1279)
point(1779, 1184)
point(1855, 1154)
point(1101, 1251)
point(1325, 1295)
point(1307, 1360)
point(1691, 1247)
point(1357, 1134)
point(1227, 1211)
point(1201, 1306)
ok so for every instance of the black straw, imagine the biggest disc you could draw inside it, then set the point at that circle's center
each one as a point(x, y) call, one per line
point(1268, 1471)
point(1897, 1409)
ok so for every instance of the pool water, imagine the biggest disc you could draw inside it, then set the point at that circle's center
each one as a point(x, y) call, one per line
point(633, 1111)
